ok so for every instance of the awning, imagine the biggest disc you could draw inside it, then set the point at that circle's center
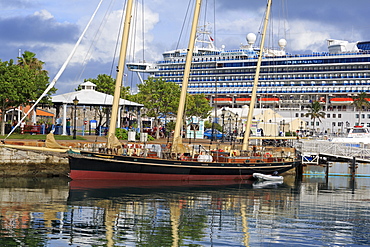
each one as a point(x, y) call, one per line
point(341, 101)
point(269, 100)
point(242, 100)
point(39, 112)
point(223, 100)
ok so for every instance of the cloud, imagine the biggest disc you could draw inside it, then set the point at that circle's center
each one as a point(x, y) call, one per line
point(50, 29)
point(95, 54)
point(5, 4)
point(41, 26)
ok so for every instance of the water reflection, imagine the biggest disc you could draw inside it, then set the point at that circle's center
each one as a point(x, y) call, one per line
point(56, 212)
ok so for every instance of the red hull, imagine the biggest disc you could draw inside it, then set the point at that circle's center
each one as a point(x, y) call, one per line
point(85, 184)
point(91, 175)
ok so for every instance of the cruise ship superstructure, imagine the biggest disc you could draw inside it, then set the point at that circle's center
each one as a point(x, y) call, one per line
point(288, 83)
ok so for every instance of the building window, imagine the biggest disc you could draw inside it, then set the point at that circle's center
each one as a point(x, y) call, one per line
point(334, 115)
point(328, 115)
point(297, 115)
point(339, 115)
point(357, 116)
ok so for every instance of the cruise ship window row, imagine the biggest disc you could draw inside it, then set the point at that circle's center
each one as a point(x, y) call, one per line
point(269, 77)
point(274, 71)
point(322, 58)
point(340, 84)
point(280, 90)
point(301, 62)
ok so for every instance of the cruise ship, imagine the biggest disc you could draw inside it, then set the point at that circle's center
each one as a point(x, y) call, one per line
point(288, 83)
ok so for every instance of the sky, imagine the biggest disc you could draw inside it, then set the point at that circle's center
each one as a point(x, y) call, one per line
point(50, 29)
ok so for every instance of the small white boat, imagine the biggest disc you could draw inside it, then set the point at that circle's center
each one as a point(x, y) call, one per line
point(265, 177)
point(357, 134)
point(266, 184)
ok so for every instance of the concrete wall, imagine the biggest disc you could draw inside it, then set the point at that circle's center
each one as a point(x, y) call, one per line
point(14, 162)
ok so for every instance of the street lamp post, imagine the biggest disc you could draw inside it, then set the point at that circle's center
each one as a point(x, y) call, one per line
point(229, 130)
point(75, 102)
point(236, 126)
point(212, 132)
point(301, 128)
point(223, 123)
point(84, 123)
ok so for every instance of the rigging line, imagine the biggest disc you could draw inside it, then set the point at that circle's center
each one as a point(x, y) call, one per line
point(214, 23)
point(205, 21)
point(117, 40)
point(132, 45)
point(60, 72)
point(133, 42)
point(97, 35)
point(183, 24)
point(143, 26)
point(260, 28)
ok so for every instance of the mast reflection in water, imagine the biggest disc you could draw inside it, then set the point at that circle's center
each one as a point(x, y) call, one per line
point(56, 212)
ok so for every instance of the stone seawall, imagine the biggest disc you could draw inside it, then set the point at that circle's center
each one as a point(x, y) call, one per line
point(25, 163)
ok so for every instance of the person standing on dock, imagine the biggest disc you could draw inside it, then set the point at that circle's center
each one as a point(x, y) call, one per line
point(68, 126)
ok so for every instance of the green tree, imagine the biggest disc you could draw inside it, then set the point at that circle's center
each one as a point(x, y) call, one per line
point(28, 59)
point(106, 84)
point(315, 112)
point(20, 84)
point(209, 125)
point(197, 105)
point(38, 76)
point(160, 98)
point(361, 103)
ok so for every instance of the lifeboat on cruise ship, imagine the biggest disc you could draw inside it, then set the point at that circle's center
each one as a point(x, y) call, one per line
point(341, 101)
point(241, 101)
point(223, 100)
point(269, 100)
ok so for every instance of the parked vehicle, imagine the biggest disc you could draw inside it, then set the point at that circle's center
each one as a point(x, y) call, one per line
point(216, 134)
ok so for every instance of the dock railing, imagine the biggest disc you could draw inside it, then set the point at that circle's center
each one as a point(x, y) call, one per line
point(311, 149)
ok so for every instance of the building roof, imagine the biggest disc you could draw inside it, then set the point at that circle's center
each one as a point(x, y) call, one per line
point(39, 112)
point(88, 96)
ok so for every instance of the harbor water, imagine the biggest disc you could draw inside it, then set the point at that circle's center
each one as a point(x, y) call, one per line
point(313, 211)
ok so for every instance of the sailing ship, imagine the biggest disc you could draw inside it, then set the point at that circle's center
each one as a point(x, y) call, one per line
point(176, 162)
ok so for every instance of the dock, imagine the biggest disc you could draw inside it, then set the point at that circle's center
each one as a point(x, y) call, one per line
point(336, 159)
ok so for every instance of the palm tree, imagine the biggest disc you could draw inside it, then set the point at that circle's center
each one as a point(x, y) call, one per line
point(28, 59)
point(315, 112)
point(361, 103)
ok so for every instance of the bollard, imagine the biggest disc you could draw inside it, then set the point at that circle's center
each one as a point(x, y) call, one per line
point(353, 167)
point(327, 172)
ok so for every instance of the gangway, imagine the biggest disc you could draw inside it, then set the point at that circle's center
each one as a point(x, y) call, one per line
point(314, 151)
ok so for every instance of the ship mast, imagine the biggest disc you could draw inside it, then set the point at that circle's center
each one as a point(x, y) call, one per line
point(120, 70)
point(177, 141)
point(256, 77)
